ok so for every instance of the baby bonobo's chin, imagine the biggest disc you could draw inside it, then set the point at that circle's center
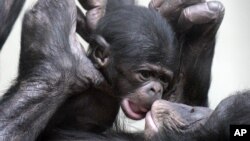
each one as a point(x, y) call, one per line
point(171, 117)
point(133, 110)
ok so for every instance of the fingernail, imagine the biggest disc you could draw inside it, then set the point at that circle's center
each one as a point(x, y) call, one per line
point(215, 6)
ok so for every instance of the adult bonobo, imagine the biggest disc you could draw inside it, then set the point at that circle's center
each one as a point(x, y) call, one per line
point(178, 122)
point(59, 93)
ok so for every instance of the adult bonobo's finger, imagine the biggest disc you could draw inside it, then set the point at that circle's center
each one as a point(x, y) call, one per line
point(93, 16)
point(82, 28)
point(171, 9)
point(155, 4)
point(210, 12)
point(96, 10)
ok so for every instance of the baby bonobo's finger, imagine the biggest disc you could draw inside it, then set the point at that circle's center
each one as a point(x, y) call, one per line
point(212, 11)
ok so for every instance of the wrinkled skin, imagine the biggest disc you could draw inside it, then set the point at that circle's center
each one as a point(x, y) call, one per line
point(59, 89)
point(174, 118)
point(72, 72)
point(10, 9)
point(53, 67)
point(95, 11)
point(172, 121)
point(196, 23)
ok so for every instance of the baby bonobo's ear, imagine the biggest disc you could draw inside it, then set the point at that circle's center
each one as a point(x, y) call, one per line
point(101, 52)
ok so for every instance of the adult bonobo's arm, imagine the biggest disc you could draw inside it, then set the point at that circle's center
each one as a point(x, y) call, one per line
point(9, 10)
point(196, 23)
point(52, 66)
point(95, 11)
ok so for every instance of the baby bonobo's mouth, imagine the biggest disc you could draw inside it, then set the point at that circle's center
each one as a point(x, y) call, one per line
point(133, 110)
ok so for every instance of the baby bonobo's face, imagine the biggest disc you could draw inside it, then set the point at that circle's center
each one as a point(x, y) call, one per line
point(139, 87)
point(137, 54)
point(175, 118)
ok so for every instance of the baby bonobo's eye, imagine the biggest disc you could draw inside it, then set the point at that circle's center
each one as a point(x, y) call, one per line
point(145, 74)
point(164, 79)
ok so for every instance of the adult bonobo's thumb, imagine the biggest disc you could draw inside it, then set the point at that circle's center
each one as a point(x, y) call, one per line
point(187, 13)
point(203, 13)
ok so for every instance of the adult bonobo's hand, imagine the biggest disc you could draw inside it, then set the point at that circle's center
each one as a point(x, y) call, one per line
point(196, 23)
point(185, 14)
point(53, 65)
point(95, 11)
point(52, 50)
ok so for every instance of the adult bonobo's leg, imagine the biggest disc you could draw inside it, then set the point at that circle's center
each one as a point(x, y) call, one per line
point(196, 23)
point(9, 10)
point(52, 66)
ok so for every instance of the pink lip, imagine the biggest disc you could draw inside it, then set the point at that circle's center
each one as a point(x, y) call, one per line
point(133, 111)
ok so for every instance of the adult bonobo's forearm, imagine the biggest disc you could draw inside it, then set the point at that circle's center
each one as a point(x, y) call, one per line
point(198, 48)
point(27, 107)
point(196, 23)
point(53, 66)
point(9, 11)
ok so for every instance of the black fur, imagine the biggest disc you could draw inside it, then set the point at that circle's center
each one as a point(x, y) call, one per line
point(233, 110)
point(56, 94)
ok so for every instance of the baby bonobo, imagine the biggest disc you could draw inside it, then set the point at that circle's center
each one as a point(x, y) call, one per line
point(134, 48)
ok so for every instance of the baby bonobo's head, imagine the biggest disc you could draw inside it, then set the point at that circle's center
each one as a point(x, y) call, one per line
point(135, 49)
